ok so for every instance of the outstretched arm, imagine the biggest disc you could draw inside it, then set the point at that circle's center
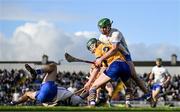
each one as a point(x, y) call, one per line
point(92, 77)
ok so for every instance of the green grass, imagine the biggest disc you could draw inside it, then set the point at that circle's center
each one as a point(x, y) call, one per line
point(85, 109)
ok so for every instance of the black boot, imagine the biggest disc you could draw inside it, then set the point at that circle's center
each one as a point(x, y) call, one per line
point(32, 71)
point(12, 103)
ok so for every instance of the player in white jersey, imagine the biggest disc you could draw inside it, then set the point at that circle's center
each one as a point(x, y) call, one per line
point(159, 78)
point(65, 97)
point(116, 39)
point(48, 94)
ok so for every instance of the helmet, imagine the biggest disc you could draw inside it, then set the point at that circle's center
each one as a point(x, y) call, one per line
point(159, 59)
point(104, 23)
point(90, 42)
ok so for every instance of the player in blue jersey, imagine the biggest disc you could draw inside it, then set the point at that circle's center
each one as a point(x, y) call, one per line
point(48, 94)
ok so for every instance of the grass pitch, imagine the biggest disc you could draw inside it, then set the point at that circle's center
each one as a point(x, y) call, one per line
point(87, 109)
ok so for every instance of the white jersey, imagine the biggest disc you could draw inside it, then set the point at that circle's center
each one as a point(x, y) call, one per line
point(115, 36)
point(62, 95)
point(160, 74)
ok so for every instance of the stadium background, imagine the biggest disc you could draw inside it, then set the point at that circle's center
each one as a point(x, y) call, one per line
point(15, 80)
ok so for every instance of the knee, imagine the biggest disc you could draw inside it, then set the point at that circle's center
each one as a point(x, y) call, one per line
point(53, 65)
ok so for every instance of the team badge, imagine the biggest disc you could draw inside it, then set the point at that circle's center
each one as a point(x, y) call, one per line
point(106, 49)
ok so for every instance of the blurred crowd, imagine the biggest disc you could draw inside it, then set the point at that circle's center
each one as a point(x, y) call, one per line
point(15, 82)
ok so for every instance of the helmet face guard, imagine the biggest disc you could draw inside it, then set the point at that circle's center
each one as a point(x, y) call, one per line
point(91, 43)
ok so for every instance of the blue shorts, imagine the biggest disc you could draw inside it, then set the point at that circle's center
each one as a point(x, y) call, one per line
point(156, 86)
point(118, 70)
point(47, 92)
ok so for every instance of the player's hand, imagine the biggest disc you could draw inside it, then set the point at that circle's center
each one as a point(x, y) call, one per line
point(98, 62)
point(87, 86)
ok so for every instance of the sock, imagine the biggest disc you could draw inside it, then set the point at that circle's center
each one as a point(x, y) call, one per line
point(92, 96)
point(127, 102)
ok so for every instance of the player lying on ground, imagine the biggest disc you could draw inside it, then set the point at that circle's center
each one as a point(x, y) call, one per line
point(49, 94)
point(117, 69)
point(159, 78)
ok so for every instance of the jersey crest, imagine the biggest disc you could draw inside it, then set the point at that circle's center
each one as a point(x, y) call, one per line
point(106, 49)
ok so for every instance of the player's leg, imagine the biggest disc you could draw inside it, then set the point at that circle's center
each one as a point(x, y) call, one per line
point(76, 100)
point(102, 79)
point(65, 97)
point(50, 70)
point(110, 89)
point(120, 87)
point(30, 95)
point(124, 73)
point(98, 94)
point(138, 81)
point(32, 71)
point(155, 92)
point(128, 92)
point(48, 89)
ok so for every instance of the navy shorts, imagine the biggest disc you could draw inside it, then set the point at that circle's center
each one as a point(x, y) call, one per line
point(47, 92)
point(118, 70)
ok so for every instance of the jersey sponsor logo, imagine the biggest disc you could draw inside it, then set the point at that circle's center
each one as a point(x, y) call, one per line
point(106, 49)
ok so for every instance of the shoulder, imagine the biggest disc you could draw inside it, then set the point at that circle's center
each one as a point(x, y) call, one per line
point(154, 68)
point(103, 39)
point(102, 36)
point(115, 31)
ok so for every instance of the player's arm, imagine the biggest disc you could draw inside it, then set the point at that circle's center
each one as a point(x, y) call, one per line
point(111, 52)
point(168, 78)
point(116, 39)
point(94, 72)
point(151, 76)
point(115, 48)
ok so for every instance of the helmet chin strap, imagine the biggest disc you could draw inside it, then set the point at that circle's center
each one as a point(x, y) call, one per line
point(107, 32)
